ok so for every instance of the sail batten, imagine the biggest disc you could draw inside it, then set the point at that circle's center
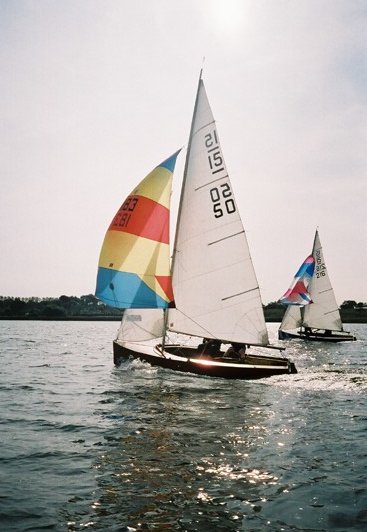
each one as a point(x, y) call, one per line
point(225, 238)
point(211, 182)
point(241, 293)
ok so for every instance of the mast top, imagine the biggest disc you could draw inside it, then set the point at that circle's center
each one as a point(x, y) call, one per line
point(202, 68)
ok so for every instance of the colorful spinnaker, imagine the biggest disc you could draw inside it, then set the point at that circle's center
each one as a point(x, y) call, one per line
point(298, 294)
point(134, 264)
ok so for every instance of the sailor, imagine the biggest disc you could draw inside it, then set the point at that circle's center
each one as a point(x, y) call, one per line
point(210, 347)
point(201, 347)
point(236, 351)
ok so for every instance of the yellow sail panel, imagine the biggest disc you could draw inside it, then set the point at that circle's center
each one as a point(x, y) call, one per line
point(142, 256)
point(157, 186)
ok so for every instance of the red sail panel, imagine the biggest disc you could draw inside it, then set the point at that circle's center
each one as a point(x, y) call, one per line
point(142, 217)
point(166, 284)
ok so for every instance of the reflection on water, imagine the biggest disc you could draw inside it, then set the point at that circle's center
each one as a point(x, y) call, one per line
point(237, 455)
point(184, 456)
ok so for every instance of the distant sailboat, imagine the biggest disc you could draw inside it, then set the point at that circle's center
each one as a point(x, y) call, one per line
point(209, 291)
point(311, 303)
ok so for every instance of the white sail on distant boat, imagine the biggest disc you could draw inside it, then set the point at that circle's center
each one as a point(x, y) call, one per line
point(312, 311)
point(210, 290)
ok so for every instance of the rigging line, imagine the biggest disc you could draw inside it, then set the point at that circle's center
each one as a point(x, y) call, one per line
point(240, 293)
point(225, 238)
point(211, 182)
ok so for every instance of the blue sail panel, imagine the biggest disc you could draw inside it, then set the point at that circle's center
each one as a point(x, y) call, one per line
point(126, 290)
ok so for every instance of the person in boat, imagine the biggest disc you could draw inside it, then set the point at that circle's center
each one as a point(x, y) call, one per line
point(236, 351)
point(327, 332)
point(308, 331)
point(210, 347)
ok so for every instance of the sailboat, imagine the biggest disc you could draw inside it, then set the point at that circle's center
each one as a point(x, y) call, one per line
point(207, 295)
point(312, 312)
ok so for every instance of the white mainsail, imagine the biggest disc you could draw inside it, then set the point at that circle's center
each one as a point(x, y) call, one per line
point(323, 313)
point(214, 283)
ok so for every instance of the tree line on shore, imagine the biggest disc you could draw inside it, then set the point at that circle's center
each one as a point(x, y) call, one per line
point(63, 307)
point(88, 307)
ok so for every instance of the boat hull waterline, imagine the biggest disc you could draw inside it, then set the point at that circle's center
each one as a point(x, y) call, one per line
point(187, 360)
point(316, 337)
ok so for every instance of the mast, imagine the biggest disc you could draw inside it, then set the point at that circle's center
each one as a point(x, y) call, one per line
point(314, 273)
point(314, 243)
point(165, 311)
point(185, 170)
point(302, 309)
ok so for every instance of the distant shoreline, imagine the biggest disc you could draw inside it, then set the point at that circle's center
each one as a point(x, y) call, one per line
point(89, 308)
point(351, 320)
point(64, 318)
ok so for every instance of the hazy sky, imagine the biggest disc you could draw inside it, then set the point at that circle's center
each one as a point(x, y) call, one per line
point(94, 94)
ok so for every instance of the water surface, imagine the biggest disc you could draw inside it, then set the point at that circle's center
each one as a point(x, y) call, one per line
point(87, 446)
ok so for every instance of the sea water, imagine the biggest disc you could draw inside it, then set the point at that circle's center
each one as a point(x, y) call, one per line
point(87, 446)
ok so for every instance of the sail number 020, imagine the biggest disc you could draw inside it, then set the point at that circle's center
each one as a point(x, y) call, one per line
point(222, 200)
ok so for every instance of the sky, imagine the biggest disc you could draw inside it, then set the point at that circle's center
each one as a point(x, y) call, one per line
point(95, 94)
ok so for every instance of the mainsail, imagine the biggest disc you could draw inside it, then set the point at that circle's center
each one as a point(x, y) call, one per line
point(214, 282)
point(134, 264)
point(324, 313)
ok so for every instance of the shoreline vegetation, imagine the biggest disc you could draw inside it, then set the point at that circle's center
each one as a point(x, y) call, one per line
point(89, 308)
